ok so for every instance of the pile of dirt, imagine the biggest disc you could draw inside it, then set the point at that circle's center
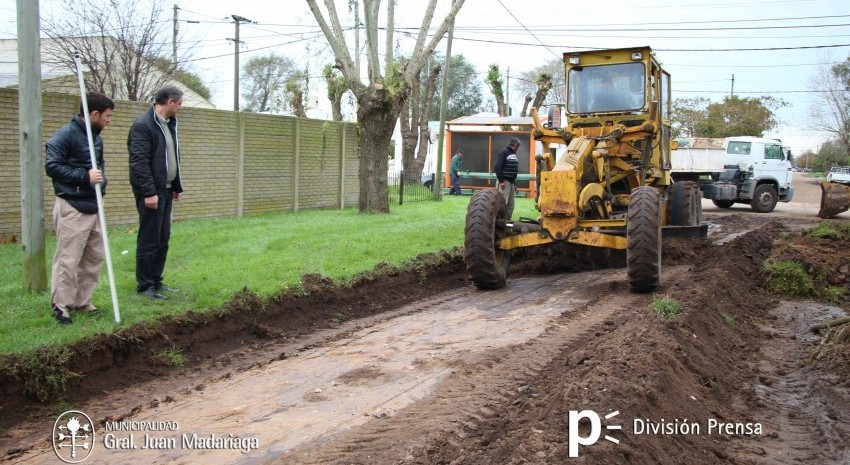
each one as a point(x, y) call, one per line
point(695, 366)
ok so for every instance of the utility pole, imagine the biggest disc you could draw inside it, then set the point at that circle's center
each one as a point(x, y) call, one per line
point(732, 92)
point(174, 38)
point(236, 21)
point(438, 179)
point(29, 132)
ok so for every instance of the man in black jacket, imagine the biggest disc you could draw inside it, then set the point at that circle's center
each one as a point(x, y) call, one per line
point(506, 169)
point(79, 243)
point(155, 178)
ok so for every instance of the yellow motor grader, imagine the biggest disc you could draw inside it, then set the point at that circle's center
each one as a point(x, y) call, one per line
point(611, 188)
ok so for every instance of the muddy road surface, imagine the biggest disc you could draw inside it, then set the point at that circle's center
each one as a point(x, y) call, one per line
point(418, 367)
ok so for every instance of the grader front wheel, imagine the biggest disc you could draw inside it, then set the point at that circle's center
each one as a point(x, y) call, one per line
point(486, 263)
point(643, 240)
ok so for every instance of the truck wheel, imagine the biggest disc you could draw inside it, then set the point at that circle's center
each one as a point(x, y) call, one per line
point(684, 206)
point(486, 263)
point(723, 203)
point(643, 238)
point(764, 198)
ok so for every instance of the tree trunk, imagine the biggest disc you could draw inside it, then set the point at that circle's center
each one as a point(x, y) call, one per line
point(525, 106)
point(377, 113)
point(336, 108)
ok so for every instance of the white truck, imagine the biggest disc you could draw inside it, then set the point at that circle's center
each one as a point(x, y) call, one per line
point(751, 170)
point(839, 174)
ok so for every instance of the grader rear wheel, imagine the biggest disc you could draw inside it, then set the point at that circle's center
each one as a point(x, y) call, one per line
point(684, 207)
point(486, 263)
point(643, 237)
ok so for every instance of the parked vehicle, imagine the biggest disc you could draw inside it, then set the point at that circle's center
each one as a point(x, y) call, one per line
point(743, 169)
point(840, 174)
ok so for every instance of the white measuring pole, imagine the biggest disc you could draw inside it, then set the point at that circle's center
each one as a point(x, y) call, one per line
point(100, 214)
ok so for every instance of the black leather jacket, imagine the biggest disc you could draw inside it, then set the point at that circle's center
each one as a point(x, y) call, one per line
point(68, 162)
point(149, 157)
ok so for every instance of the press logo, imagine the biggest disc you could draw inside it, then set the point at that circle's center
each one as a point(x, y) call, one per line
point(73, 436)
point(574, 437)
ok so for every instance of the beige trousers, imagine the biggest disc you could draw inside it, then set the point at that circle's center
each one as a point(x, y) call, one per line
point(78, 258)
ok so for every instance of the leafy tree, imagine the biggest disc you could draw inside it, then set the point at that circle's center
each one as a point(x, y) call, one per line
point(380, 99)
point(192, 81)
point(831, 112)
point(463, 88)
point(734, 116)
point(264, 83)
point(120, 42)
point(185, 77)
point(688, 114)
point(830, 153)
point(296, 87)
point(496, 83)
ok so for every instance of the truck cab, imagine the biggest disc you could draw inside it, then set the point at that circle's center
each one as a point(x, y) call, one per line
point(753, 170)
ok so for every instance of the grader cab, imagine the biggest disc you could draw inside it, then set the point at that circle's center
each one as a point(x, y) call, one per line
point(611, 187)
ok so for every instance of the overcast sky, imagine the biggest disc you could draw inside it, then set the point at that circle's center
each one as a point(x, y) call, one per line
point(771, 47)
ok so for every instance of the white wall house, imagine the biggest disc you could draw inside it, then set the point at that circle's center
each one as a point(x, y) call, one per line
point(57, 77)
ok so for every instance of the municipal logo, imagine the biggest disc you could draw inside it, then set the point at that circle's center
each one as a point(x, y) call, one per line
point(73, 436)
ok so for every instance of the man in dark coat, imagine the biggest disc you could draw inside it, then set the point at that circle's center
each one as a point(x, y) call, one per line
point(155, 178)
point(79, 243)
point(506, 169)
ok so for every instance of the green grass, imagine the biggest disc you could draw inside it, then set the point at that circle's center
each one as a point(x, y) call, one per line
point(172, 357)
point(788, 277)
point(666, 307)
point(210, 260)
point(830, 230)
point(727, 318)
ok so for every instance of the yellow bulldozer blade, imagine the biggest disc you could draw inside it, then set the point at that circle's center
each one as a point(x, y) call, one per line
point(835, 199)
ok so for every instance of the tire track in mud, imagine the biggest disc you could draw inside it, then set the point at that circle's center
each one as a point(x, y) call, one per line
point(371, 372)
point(470, 402)
point(798, 399)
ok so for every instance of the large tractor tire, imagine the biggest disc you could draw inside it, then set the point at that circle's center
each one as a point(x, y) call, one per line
point(684, 205)
point(723, 203)
point(486, 263)
point(643, 237)
point(764, 198)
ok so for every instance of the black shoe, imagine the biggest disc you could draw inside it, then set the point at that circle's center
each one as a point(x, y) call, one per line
point(163, 288)
point(150, 292)
point(60, 316)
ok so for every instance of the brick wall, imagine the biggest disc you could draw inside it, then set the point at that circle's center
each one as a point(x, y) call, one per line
point(232, 163)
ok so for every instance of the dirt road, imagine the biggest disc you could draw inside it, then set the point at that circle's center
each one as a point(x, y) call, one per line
point(462, 376)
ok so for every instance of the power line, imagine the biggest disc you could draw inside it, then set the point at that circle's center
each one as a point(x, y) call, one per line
point(523, 26)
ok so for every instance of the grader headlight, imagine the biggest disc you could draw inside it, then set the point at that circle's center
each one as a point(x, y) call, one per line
point(637, 55)
point(574, 60)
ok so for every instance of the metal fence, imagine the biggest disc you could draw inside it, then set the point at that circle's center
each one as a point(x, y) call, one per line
point(410, 187)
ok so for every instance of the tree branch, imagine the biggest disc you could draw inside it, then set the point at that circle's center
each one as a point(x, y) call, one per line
point(337, 44)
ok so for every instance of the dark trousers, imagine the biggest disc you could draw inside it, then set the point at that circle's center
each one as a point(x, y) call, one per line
point(455, 185)
point(152, 241)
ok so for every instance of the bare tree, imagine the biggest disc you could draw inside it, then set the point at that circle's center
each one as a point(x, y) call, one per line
point(264, 83)
point(831, 113)
point(336, 89)
point(526, 82)
point(120, 42)
point(381, 98)
point(496, 83)
point(544, 84)
point(414, 122)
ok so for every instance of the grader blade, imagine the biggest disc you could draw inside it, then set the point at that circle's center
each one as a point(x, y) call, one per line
point(835, 199)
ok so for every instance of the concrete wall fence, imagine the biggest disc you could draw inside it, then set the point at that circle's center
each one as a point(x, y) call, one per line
point(233, 163)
